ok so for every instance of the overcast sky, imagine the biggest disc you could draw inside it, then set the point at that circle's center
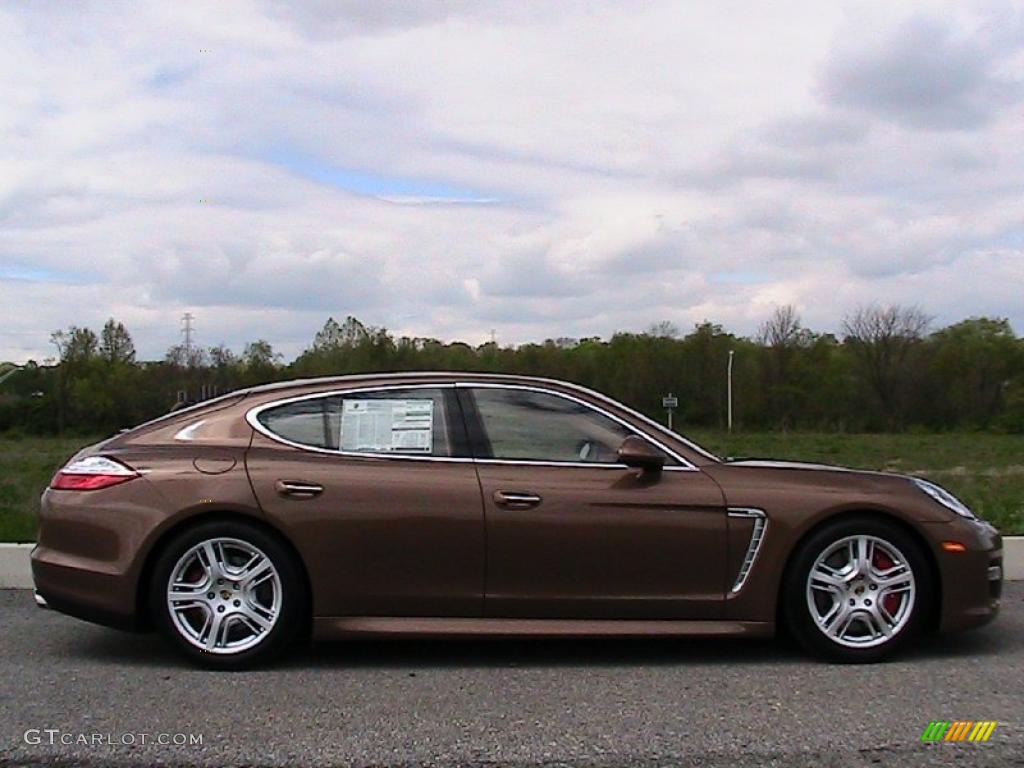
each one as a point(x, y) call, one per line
point(443, 168)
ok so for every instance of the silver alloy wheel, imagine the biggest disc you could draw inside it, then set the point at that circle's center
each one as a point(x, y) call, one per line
point(861, 591)
point(224, 595)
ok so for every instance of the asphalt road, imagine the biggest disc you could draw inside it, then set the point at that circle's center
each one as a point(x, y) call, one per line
point(579, 703)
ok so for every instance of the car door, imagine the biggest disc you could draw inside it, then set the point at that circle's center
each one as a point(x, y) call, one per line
point(378, 493)
point(573, 534)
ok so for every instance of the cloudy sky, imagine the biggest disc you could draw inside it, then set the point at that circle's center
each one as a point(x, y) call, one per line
point(445, 168)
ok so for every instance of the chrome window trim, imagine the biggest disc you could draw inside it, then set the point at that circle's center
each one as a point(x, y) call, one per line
point(511, 378)
point(252, 417)
point(757, 536)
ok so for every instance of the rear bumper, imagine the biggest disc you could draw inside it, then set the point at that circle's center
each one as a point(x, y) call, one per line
point(86, 563)
point(83, 590)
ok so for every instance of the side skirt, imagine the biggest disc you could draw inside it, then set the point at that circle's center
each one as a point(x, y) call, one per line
point(334, 628)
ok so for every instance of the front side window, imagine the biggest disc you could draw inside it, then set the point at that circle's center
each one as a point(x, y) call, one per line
point(536, 426)
point(409, 422)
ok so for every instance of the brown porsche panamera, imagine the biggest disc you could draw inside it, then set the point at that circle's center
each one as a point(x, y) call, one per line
point(473, 504)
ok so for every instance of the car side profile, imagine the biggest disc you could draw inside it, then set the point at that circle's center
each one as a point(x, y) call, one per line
point(471, 504)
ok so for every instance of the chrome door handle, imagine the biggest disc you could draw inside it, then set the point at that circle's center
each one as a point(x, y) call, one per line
point(298, 490)
point(516, 499)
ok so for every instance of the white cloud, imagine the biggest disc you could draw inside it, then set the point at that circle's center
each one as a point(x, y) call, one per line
point(448, 168)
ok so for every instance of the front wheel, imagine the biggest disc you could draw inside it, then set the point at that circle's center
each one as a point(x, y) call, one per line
point(227, 594)
point(857, 591)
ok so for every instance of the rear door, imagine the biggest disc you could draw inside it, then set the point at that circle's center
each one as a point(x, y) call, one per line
point(378, 492)
point(573, 534)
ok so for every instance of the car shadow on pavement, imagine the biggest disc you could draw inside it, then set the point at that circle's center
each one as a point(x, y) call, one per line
point(103, 646)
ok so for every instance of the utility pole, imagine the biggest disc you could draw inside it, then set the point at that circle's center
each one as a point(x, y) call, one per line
point(729, 388)
point(186, 320)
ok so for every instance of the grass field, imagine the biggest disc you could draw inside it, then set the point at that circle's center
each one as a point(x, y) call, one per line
point(986, 471)
point(26, 466)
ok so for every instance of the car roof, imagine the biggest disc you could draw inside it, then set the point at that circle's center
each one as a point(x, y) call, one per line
point(439, 376)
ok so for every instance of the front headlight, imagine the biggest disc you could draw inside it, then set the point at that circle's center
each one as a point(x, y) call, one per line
point(944, 497)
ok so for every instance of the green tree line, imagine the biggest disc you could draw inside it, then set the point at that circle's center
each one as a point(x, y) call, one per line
point(887, 371)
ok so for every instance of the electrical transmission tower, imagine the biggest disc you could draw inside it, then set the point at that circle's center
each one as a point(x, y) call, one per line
point(187, 329)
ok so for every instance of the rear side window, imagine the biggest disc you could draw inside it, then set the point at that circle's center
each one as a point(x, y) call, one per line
point(393, 422)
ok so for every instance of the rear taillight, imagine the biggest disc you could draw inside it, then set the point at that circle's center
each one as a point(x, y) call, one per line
point(91, 474)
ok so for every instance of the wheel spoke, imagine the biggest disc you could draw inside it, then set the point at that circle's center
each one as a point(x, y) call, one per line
point(863, 551)
point(183, 589)
point(186, 605)
point(252, 614)
point(255, 573)
point(877, 623)
point(213, 630)
point(828, 579)
point(841, 623)
point(212, 557)
point(898, 578)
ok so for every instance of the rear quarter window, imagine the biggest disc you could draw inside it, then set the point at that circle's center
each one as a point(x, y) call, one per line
point(394, 422)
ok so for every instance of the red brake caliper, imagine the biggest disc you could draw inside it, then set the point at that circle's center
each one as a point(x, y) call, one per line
point(891, 602)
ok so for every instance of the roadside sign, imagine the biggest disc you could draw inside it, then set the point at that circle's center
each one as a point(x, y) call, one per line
point(671, 401)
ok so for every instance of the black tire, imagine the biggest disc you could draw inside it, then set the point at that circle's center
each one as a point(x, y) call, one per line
point(293, 601)
point(797, 610)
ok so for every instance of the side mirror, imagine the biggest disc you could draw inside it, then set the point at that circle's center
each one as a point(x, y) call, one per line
point(637, 452)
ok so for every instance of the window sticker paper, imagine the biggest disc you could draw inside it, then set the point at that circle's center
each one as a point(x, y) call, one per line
point(387, 426)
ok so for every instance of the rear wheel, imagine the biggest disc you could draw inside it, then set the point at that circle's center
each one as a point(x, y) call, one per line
point(857, 591)
point(227, 594)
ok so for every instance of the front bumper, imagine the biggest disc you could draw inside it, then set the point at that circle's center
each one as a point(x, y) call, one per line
point(971, 581)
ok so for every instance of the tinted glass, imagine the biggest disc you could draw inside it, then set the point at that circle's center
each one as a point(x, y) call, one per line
point(527, 425)
point(410, 422)
point(300, 422)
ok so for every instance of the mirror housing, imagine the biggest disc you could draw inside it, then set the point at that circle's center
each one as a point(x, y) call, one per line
point(637, 452)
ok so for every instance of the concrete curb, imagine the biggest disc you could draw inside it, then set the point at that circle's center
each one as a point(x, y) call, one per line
point(15, 572)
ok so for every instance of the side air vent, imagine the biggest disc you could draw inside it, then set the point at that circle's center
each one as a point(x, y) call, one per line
point(756, 537)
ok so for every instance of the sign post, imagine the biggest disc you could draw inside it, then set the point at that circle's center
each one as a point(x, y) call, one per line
point(729, 387)
point(670, 402)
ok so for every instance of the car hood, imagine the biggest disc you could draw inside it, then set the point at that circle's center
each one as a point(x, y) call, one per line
point(807, 488)
point(734, 474)
point(812, 466)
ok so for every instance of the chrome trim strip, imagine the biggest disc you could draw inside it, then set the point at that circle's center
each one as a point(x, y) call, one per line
point(252, 417)
point(336, 627)
point(189, 432)
point(754, 547)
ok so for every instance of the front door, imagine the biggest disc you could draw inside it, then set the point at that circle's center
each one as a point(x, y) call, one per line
point(573, 534)
point(377, 491)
